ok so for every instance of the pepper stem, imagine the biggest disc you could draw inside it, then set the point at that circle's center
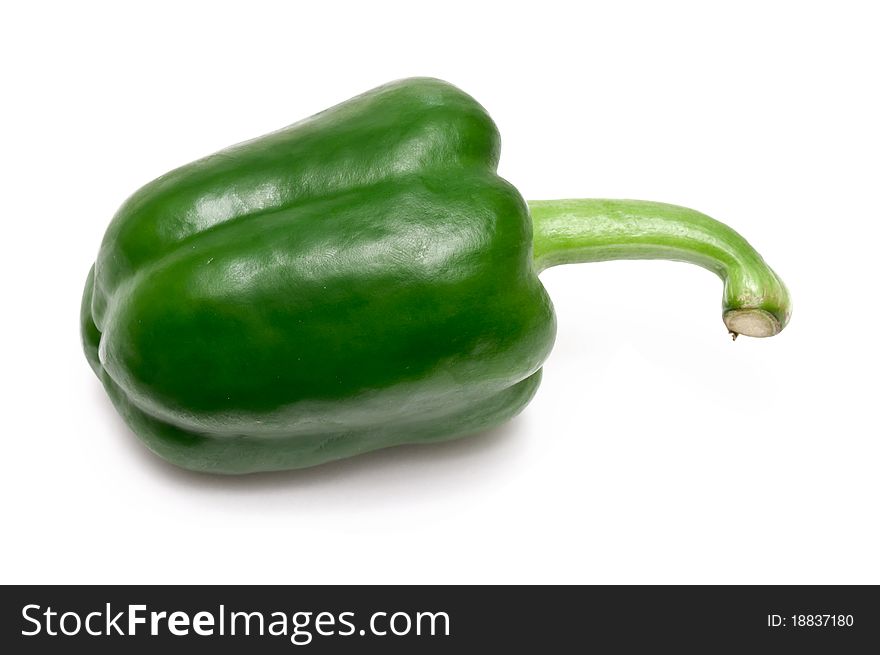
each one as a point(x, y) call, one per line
point(755, 301)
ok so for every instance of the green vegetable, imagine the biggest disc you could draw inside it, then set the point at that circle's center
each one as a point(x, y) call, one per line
point(358, 280)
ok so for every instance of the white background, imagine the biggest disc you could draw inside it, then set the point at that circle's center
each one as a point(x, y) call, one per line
point(656, 449)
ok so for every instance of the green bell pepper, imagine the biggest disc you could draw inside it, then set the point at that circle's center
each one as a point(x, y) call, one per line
point(358, 280)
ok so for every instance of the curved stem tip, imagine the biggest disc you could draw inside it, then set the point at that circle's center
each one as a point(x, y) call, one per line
point(755, 302)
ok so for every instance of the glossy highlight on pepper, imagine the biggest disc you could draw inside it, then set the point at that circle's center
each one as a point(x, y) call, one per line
point(358, 280)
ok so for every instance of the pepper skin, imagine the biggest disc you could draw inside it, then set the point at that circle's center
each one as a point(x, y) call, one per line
point(358, 280)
